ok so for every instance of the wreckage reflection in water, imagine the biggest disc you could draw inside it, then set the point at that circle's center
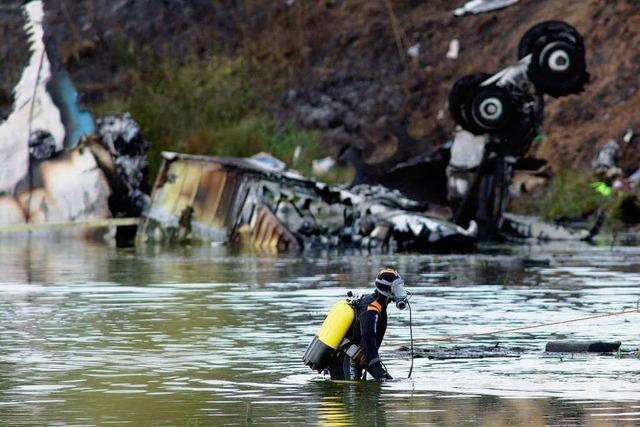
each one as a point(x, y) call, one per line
point(203, 336)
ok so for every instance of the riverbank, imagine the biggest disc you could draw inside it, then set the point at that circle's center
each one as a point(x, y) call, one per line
point(350, 80)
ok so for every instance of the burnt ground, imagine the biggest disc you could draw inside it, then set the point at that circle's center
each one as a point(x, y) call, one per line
point(401, 97)
point(345, 63)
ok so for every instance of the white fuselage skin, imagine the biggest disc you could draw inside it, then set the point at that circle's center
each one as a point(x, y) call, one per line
point(33, 107)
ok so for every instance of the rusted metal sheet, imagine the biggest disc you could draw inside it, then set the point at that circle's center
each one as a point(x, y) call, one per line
point(270, 235)
point(201, 198)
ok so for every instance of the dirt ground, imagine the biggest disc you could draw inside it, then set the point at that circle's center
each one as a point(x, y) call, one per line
point(369, 40)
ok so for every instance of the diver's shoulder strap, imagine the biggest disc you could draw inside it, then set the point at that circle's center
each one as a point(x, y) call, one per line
point(357, 301)
point(375, 306)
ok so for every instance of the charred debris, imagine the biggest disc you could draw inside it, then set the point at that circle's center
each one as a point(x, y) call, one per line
point(252, 203)
point(58, 164)
point(553, 349)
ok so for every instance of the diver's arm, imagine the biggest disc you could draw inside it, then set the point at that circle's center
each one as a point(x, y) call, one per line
point(368, 329)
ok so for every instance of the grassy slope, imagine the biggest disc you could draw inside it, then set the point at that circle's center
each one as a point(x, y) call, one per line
point(216, 106)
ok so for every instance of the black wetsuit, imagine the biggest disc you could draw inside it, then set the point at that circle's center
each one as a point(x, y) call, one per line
point(367, 331)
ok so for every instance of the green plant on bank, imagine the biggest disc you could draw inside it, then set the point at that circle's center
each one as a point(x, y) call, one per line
point(568, 195)
point(213, 106)
point(572, 195)
point(622, 210)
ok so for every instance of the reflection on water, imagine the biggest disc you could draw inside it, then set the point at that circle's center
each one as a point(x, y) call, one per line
point(199, 336)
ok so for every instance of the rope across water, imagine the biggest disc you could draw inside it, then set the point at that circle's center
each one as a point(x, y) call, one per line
point(523, 328)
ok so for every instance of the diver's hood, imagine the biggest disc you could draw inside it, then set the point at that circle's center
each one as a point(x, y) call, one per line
point(398, 293)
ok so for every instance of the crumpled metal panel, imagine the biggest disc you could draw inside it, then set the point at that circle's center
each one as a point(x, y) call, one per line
point(68, 188)
point(201, 198)
point(269, 234)
point(530, 228)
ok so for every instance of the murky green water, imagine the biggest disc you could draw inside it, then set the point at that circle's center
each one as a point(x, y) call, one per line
point(92, 335)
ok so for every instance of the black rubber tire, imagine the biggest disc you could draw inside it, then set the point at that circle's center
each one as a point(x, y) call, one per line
point(544, 29)
point(558, 66)
point(492, 109)
point(460, 98)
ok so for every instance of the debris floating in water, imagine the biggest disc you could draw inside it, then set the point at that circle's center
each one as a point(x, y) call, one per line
point(569, 346)
point(500, 351)
point(466, 352)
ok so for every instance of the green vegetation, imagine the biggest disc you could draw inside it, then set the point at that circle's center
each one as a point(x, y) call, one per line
point(568, 195)
point(213, 106)
point(572, 195)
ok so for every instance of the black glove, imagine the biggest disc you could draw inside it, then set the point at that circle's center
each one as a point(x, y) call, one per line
point(378, 371)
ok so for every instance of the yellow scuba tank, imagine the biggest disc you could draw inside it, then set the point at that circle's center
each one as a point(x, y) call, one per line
point(330, 335)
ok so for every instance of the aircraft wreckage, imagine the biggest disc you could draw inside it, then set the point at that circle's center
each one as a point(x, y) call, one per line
point(500, 115)
point(61, 166)
point(252, 203)
point(246, 201)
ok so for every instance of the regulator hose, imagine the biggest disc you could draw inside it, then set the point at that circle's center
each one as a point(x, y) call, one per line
point(411, 335)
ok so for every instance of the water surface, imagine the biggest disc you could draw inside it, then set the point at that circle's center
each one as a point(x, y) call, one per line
point(94, 335)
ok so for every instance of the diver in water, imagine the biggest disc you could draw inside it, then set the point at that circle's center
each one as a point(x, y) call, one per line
point(359, 349)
